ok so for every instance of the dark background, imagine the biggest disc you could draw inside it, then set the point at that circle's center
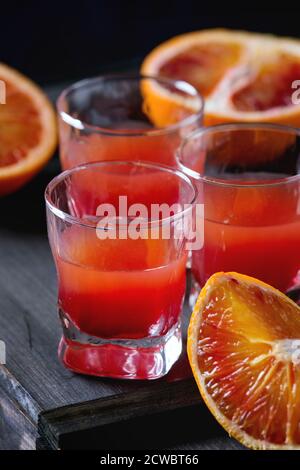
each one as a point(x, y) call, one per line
point(54, 41)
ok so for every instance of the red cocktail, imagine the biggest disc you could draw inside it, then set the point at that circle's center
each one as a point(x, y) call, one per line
point(133, 282)
point(120, 118)
point(121, 280)
point(248, 180)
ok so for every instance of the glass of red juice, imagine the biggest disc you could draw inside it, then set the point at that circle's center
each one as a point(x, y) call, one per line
point(126, 118)
point(119, 233)
point(248, 180)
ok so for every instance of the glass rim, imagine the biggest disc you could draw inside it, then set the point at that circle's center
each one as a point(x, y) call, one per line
point(232, 127)
point(78, 220)
point(79, 124)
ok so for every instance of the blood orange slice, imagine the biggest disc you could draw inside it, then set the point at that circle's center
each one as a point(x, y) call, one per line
point(244, 350)
point(242, 76)
point(27, 130)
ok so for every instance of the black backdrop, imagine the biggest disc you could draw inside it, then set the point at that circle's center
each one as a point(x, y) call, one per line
point(64, 40)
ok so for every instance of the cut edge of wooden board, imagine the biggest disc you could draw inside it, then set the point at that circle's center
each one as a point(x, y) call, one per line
point(17, 392)
point(17, 431)
point(55, 424)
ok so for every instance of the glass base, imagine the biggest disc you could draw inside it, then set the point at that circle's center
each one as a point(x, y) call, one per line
point(143, 359)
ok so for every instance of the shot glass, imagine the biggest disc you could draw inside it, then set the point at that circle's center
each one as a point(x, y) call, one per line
point(248, 180)
point(119, 234)
point(126, 118)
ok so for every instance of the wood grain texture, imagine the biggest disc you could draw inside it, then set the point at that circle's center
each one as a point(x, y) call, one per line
point(16, 429)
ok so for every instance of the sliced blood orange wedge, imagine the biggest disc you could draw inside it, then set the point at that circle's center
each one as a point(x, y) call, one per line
point(242, 76)
point(244, 350)
point(27, 129)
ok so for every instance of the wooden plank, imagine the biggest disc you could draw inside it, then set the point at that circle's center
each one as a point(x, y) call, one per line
point(16, 430)
point(79, 423)
point(124, 423)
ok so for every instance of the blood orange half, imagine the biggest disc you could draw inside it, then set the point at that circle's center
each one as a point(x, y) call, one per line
point(244, 350)
point(28, 133)
point(243, 76)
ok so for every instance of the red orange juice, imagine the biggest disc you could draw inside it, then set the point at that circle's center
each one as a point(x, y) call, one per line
point(248, 180)
point(119, 118)
point(95, 147)
point(121, 269)
point(270, 253)
point(119, 288)
point(251, 229)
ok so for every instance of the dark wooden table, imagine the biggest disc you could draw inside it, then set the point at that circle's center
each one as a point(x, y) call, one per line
point(43, 405)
